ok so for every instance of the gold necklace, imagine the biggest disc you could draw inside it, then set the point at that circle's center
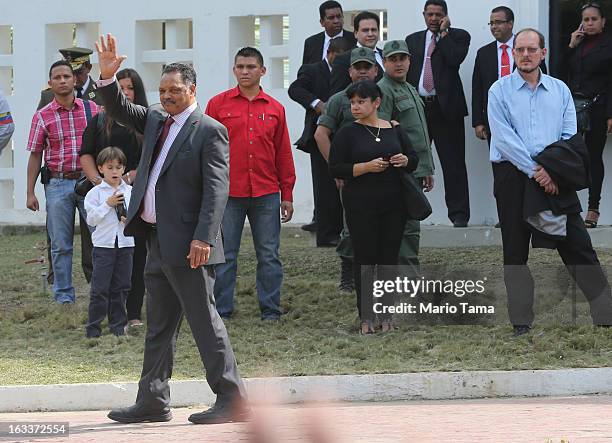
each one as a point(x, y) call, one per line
point(376, 137)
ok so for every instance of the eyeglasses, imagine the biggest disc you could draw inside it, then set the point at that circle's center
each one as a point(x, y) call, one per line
point(498, 22)
point(529, 50)
point(590, 5)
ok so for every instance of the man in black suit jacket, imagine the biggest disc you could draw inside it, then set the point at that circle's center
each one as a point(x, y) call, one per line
point(315, 50)
point(489, 67)
point(177, 201)
point(367, 32)
point(437, 54)
point(332, 20)
point(311, 90)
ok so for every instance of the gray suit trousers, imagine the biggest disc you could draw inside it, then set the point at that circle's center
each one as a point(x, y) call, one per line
point(172, 291)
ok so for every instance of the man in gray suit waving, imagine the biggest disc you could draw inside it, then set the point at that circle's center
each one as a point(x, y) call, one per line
point(177, 201)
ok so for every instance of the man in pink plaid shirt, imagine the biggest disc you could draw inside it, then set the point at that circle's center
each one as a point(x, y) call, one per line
point(56, 131)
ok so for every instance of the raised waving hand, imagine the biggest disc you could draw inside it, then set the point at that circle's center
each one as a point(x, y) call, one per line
point(108, 60)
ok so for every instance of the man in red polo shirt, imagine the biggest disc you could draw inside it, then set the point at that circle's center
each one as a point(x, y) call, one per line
point(261, 168)
point(56, 132)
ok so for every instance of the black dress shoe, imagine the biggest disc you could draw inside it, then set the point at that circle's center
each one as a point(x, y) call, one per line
point(521, 330)
point(139, 414)
point(459, 224)
point(309, 227)
point(221, 413)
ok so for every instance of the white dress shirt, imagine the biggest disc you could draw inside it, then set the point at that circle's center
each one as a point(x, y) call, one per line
point(148, 209)
point(422, 91)
point(84, 88)
point(327, 40)
point(510, 44)
point(104, 217)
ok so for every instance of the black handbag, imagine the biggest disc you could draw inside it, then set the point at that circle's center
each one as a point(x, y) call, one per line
point(416, 202)
point(582, 105)
point(83, 186)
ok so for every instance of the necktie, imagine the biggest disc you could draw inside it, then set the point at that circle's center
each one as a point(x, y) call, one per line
point(162, 138)
point(505, 61)
point(79, 93)
point(428, 80)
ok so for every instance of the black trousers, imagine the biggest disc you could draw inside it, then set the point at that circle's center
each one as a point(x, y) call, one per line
point(448, 134)
point(376, 223)
point(136, 294)
point(595, 140)
point(576, 251)
point(110, 283)
point(86, 252)
point(171, 292)
point(328, 208)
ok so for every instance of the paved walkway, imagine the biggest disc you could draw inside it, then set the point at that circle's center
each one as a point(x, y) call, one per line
point(541, 420)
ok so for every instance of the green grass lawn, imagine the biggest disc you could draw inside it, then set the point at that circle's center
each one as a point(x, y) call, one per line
point(41, 342)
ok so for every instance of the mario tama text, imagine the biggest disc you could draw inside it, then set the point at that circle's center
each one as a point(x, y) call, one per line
point(422, 300)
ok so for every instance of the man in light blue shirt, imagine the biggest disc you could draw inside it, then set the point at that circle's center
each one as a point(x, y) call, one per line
point(527, 112)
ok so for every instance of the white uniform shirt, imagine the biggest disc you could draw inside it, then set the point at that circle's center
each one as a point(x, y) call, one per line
point(510, 44)
point(104, 217)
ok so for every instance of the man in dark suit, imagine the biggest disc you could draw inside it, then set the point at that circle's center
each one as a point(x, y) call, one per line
point(311, 90)
point(177, 202)
point(437, 54)
point(367, 32)
point(491, 64)
point(332, 20)
point(315, 50)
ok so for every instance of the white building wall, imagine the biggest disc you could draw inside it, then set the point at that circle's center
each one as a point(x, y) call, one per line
point(218, 29)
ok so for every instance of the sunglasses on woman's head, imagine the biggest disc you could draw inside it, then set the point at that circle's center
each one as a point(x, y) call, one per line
point(590, 5)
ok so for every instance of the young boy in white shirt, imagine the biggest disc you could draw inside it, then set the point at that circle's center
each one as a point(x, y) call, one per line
point(106, 206)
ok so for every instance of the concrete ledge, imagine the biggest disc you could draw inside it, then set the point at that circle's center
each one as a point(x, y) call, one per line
point(287, 390)
point(432, 236)
point(446, 236)
point(11, 229)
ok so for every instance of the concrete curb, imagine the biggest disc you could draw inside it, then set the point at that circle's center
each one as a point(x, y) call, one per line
point(432, 236)
point(287, 390)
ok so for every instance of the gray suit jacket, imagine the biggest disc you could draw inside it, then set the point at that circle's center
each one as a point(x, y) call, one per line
point(193, 185)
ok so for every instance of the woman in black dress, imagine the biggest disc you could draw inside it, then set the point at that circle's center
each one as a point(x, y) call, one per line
point(101, 132)
point(369, 154)
point(590, 76)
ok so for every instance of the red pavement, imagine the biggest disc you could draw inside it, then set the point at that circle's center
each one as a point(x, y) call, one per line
point(541, 420)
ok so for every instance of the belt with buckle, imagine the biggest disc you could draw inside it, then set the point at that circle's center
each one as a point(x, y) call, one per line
point(429, 98)
point(73, 175)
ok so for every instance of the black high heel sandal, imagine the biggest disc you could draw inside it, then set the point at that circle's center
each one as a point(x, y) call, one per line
point(366, 327)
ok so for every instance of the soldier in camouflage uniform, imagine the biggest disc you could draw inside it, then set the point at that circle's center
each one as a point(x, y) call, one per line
point(401, 102)
point(338, 114)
